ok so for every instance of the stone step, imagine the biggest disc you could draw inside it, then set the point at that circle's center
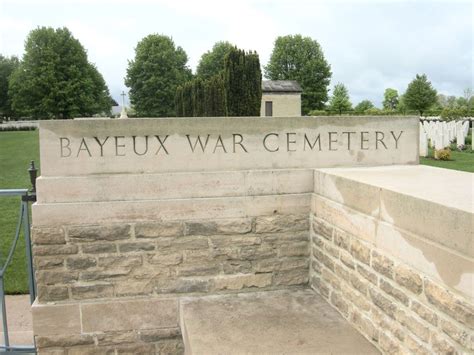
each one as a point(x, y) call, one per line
point(277, 322)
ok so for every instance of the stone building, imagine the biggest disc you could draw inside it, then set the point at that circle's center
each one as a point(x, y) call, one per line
point(281, 98)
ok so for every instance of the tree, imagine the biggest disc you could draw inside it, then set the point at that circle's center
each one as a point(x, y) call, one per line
point(7, 67)
point(339, 101)
point(301, 59)
point(153, 76)
point(212, 62)
point(55, 78)
point(243, 83)
point(390, 99)
point(420, 94)
point(363, 106)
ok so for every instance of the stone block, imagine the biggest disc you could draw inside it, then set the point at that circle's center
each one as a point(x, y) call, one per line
point(444, 300)
point(365, 325)
point(167, 259)
point(295, 249)
point(360, 284)
point(83, 234)
point(416, 347)
point(388, 344)
point(219, 226)
point(45, 250)
point(155, 335)
point(116, 338)
point(54, 277)
point(53, 235)
point(136, 349)
point(408, 279)
point(239, 282)
point(116, 261)
point(230, 241)
point(198, 269)
point(191, 242)
point(359, 225)
point(133, 287)
point(52, 293)
point(347, 259)
point(80, 292)
point(441, 345)
point(323, 258)
point(159, 229)
point(331, 250)
point(424, 313)
point(129, 315)
point(48, 262)
point(135, 247)
point(290, 277)
point(459, 335)
point(322, 228)
point(281, 223)
point(360, 251)
point(64, 340)
point(342, 239)
point(389, 289)
point(367, 274)
point(338, 301)
point(319, 286)
point(382, 302)
point(170, 346)
point(80, 263)
point(56, 319)
point(415, 326)
point(382, 264)
point(355, 297)
point(184, 285)
point(331, 279)
point(257, 252)
point(104, 274)
point(99, 248)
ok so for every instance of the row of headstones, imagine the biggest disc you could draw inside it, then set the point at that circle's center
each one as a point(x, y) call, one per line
point(440, 134)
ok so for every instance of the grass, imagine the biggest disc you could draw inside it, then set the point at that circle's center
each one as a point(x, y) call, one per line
point(463, 161)
point(17, 149)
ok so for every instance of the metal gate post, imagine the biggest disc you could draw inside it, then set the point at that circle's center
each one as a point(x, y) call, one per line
point(29, 259)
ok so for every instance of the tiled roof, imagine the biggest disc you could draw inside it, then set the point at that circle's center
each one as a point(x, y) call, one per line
point(281, 86)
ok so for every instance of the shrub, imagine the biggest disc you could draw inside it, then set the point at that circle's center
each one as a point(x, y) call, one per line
point(318, 113)
point(443, 154)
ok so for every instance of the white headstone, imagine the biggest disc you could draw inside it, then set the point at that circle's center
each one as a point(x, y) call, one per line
point(423, 144)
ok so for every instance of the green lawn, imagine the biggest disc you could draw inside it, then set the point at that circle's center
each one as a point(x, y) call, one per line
point(16, 151)
point(463, 161)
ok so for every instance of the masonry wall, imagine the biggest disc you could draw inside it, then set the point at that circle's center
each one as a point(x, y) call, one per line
point(284, 104)
point(402, 290)
point(114, 284)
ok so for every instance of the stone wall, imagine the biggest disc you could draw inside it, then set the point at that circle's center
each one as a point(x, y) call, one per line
point(284, 104)
point(401, 300)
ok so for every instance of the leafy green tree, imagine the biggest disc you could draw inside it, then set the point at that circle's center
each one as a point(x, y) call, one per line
point(55, 78)
point(212, 62)
point(7, 67)
point(364, 105)
point(301, 59)
point(420, 94)
point(390, 99)
point(339, 101)
point(243, 83)
point(153, 76)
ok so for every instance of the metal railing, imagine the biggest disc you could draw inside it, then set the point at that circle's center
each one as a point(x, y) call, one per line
point(23, 220)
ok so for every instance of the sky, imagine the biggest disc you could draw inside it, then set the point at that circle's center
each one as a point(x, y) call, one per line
point(370, 45)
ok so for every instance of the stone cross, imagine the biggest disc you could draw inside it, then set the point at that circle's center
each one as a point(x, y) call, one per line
point(123, 114)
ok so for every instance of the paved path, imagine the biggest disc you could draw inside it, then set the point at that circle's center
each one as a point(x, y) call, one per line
point(278, 322)
point(20, 326)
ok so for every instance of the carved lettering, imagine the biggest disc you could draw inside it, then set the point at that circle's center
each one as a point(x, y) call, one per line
point(198, 140)
point(117, 146)
point(311, 146)
point(331, 141)
point(363, 140)
point(288, 142)
point(234, 136)
point(83, 147)
point(396, 138)
point(219, 144)
point(265, 142)
point(135, 145)
point(162, 144)
point(61, 140)
point(348, 139)
point(379, 136)
point(101, 145)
